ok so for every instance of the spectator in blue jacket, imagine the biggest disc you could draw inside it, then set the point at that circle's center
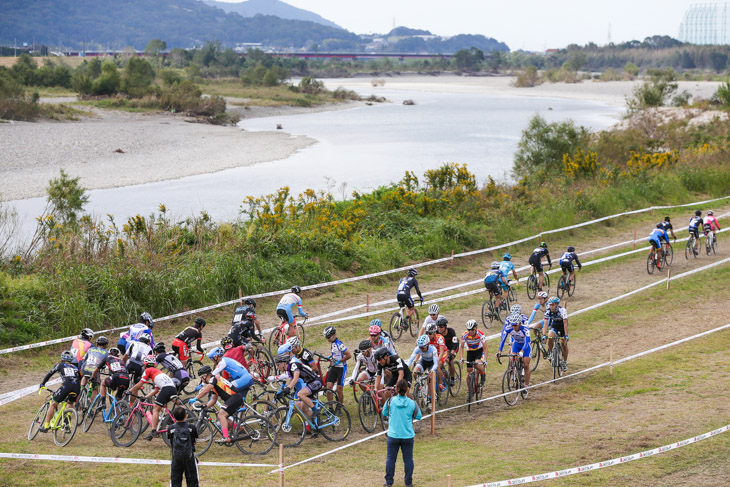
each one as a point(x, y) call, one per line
point(400, 411)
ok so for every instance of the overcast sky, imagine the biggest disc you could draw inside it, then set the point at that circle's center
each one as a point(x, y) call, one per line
point(522, 24)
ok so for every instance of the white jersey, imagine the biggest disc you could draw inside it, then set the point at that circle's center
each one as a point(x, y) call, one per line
point(369, 362)
point(137, 351)
point(430, 320)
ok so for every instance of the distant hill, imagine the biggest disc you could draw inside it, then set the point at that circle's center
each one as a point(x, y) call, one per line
point(116, 24)
point(279, 9)
point(448, 45)
point(405, 31)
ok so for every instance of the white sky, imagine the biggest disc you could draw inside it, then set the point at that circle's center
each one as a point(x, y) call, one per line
point(522, 24)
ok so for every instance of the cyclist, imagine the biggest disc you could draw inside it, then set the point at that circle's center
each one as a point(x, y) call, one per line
point(339, 354)
point(145, 325)
point(239, 376)
point(237, 353)
point(118, 379)
point(425, 357)
point(566, 262)
point(475, 343)
point(494, 282)
point(304, 355)
point(506, 266)
point(244, 320)
point(380, 338)
point(655, 239)
point(70, 389)
point(535, 261)
point(302, 379)
point(694, 229)
point(542, 298)
point(433, 315)
point(183, 340)
point(81, 345)
point(172, 365)
point(93, 357)
point(404, 292)
point(452, 344)
point(365, 358)
point(710, 225)
point(218, 388)
point(520, 335)
point(438, 341)
point(134, 356)
point(163, 387)
point(397, 368)
point(667, 226)
point(284, 310)
point(556, 320)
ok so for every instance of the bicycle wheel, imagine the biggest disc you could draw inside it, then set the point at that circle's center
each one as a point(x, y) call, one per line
point(254, 435)
point(668, 256)
point(289, 433)
point(557, 357)
point(67, 427)
point(206, 433)
point(650, 263)
point(82, 404)
point(688, 248)
point(37, 422)
point(91, 413)
point(470, 388)
point(535, 354)
point(420, 394)
point(510, 383)
point(571, 285)
point(300, 331)
point(512, 295)
point(714, 244)
point(455, 387)
point(395, 329)
point(546, 282)
point(531, 287)
point(443, 395)
point(486, 315)
point(274, 340)
point(126, 428)
point(367, 412)
point(265, 362)
point(561, 287)
point(414, 323)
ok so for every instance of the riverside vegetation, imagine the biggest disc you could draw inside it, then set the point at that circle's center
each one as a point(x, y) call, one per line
point(80, 270)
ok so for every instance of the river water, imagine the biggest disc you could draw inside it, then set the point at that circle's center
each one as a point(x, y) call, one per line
point(357, 149)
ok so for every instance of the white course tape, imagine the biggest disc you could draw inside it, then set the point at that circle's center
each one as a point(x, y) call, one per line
point(143, 461)
point(607, 463)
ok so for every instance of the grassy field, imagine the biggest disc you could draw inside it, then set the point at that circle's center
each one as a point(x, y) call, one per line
point(9, 61)
point(273, 96)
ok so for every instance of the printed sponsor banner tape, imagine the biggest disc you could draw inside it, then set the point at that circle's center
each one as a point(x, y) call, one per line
point(143, 461)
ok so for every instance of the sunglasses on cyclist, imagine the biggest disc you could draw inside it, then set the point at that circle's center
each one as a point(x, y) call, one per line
point(441, 326)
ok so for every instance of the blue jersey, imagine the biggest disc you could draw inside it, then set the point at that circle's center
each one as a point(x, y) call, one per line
point(430, 355)
point(694, 222)
point(520, 337)
point(338, 350)
point(505, 267)
point(658, 234)
point(493, 276)
point(569, 257)
point(406, 284)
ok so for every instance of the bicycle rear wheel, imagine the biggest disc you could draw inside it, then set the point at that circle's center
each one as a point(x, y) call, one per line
point(471, 386)
point(510, 383)
point(206, 433)
point(395, 329)
point(414, 323)
point(63, 435)
point(535, 354)
point(367, 412)
point(456, 387)
point(714, 244)
point(557, 357)
point(82, 404)
point(126, 428)
point(561, 287)
point(571, 285)
point(274, 340)
point(91, 413)
point(486, 315)
point(650, 263)
point(37, 422)
point(688, 248)
point(546, 282)
point(668, 256)
point(443, 395)
point(254, 435)
point(531, 287)
point(334, 421)
point(300, 331)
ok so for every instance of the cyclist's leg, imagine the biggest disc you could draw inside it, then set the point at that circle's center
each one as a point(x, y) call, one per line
point(550, 340)
point(564, 344)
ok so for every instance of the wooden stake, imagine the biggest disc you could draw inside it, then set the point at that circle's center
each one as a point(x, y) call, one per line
point(610, 359)
point(448, 481)
point(669, 277)
point(281, 464)
point(433, 403)
point(452, 259)
point(240, 295)
point(634, 239)
point(367, 303)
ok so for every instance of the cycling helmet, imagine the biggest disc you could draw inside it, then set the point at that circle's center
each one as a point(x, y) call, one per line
point(571, 249)
point(516, 309)
point(434, 309)
point(330, 331)
point(698, 213)
point(227, 342)
point(422, 341)
point(507, 257)
point(159, 348)
point(285, 348)
point(146, 317)
point(442, 321)
point(412, 272)
point(102, 341)
point(216, 352)
point(494, 266)
point(374, 330)
point(293, 342)
point(554, 299)
point(114, 352)
point(431, 328)
point(282, 358)
point(542, 294)
point(199, 322)
point(205, 370)
point(514, 320)
point(296, 290)
point(376, 322)
point(543, 245)
point(381, 353)
point(471, 325)
point(710, 212)
point(250, 301)
point(365, 345)
point(659, 226)
point(144, 338)
point(666, 219)
point(67, 356)
point(87, 334)
point(149, 361)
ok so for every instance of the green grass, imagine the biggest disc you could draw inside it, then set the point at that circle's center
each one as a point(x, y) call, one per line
point(273, 96)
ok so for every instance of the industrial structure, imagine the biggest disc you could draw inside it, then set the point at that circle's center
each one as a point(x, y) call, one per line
point(706, 23)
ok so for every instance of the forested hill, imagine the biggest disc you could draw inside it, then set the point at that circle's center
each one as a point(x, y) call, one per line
point(280, 9)
point(116, 24)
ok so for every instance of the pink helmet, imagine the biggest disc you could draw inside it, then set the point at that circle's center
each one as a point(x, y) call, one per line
point(374, 330)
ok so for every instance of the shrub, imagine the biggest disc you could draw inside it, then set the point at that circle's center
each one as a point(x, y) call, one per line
point(723, 93)
point(311, 85)
point(527, 78)
point(137, 77)
point(653, 93)
point(108, 82)
point(14, 105)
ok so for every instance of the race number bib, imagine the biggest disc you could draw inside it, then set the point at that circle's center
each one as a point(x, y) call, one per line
point(69, 372)
point(115, 366)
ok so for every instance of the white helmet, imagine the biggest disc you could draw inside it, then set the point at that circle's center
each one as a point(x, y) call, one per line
point(542, 294)
point(434, 309)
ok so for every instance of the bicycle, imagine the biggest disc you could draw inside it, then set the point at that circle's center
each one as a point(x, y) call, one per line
point(400, 322)
point(714, 243)
point(532, 287)
point(332, 420)
point(356, 391)
point(538, 349)
point(368, 406)
point(667, 254)
point(455, 385)
point(710, 245)
point(129, 420)
point(421, 392)
point(63, 423)
point(251, 430)
point(260, 363)
point(689, 249)
point(191, 366)
point(651, 261)
point(556, 357)
point(83, 402)
point(473, 383)
point(279, 335)
point(108, 415)
point(513, 379)
point(566, 284)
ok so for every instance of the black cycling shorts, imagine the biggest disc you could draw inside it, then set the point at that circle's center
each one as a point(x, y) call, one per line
point(559, 329)
point(281, 313)
point(474, 355)
point(67, 392)
point(394, 380)
point(336, 375)
point(165, 394)
point(536, 262)
point(117, 382)
point(695, 232)
point(233, 404)
point(405, 301)
point(135, 370)
point(314, 386)
point(567, 266)
point(494, 287)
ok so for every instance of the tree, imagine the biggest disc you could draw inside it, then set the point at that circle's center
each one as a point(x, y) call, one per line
point(154, 47)
point(24, 69)
point(108, 82)
point(137, 77)
point(468, 59)
point(67, 199)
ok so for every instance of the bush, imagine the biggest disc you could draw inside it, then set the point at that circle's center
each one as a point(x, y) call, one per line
point(723, 93)
point(108, 82)
point(170, 77)
point(342, 94)
point(311, 85)
point(14, 105)
point(137, 77)
point(653, 93)
point(527, 78)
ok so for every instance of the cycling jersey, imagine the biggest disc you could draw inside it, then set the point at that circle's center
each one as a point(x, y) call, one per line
point(169, 362)
point(157, 377)
point(190, 334)
point(94, 356)
point(238, 354)
point(287, 305)
point(430, 320)
point(395, 365)
point(240, 378)
point(223, 389)
point(305, 356)
point(711, 221)
point(452, 341)
point(556, 320)
point(78, 349)
point(658, 234)
point(338, 350)
point(406, 284)
point(493, 276)
point(242, 332)
point(306, 373)
point(540, 253)
point(138, 351)
point(667, 226)
point(386, 342)
point(474, 342)
point(371, 365)
point(69, 373)
point(428, 358)
point(136, 330)
point(241, 312)
point(505, 267)
point(114, 364)
point(520, 339)
point(695, 222)
point(569, 257)
point(438, 341)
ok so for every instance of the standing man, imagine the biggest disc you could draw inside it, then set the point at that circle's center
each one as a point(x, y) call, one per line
point(401, 411)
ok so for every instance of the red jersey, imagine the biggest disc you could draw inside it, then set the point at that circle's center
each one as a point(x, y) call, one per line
point(239, 355)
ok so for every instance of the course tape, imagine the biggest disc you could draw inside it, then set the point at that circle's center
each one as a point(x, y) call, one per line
point(607, 463)
point(143, 461)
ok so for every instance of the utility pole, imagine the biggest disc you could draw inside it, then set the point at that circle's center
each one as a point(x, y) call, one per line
point(15, 47)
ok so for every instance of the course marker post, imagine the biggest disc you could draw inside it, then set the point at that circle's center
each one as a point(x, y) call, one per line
point(610, 359)
point(634, 239)
point(240, 295)
point(433, 403)
point(669, 278)
point(367, 303)
point(452, 259)
point(281, 465)
point(448, 481)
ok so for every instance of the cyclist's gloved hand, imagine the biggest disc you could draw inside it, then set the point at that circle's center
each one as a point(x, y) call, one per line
point(198, 387)
point(544, 337)
point(421, 299)
point(461, 360)
point(567, 338)
point(192, 400)
point(350, 382)
point(521, 354)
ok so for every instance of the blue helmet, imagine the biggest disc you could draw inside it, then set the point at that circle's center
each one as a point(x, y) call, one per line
point(422, 341)
point(216, 352)
point(554, 299)
point(507, 256)
point(376, 322)
point(285, 348)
